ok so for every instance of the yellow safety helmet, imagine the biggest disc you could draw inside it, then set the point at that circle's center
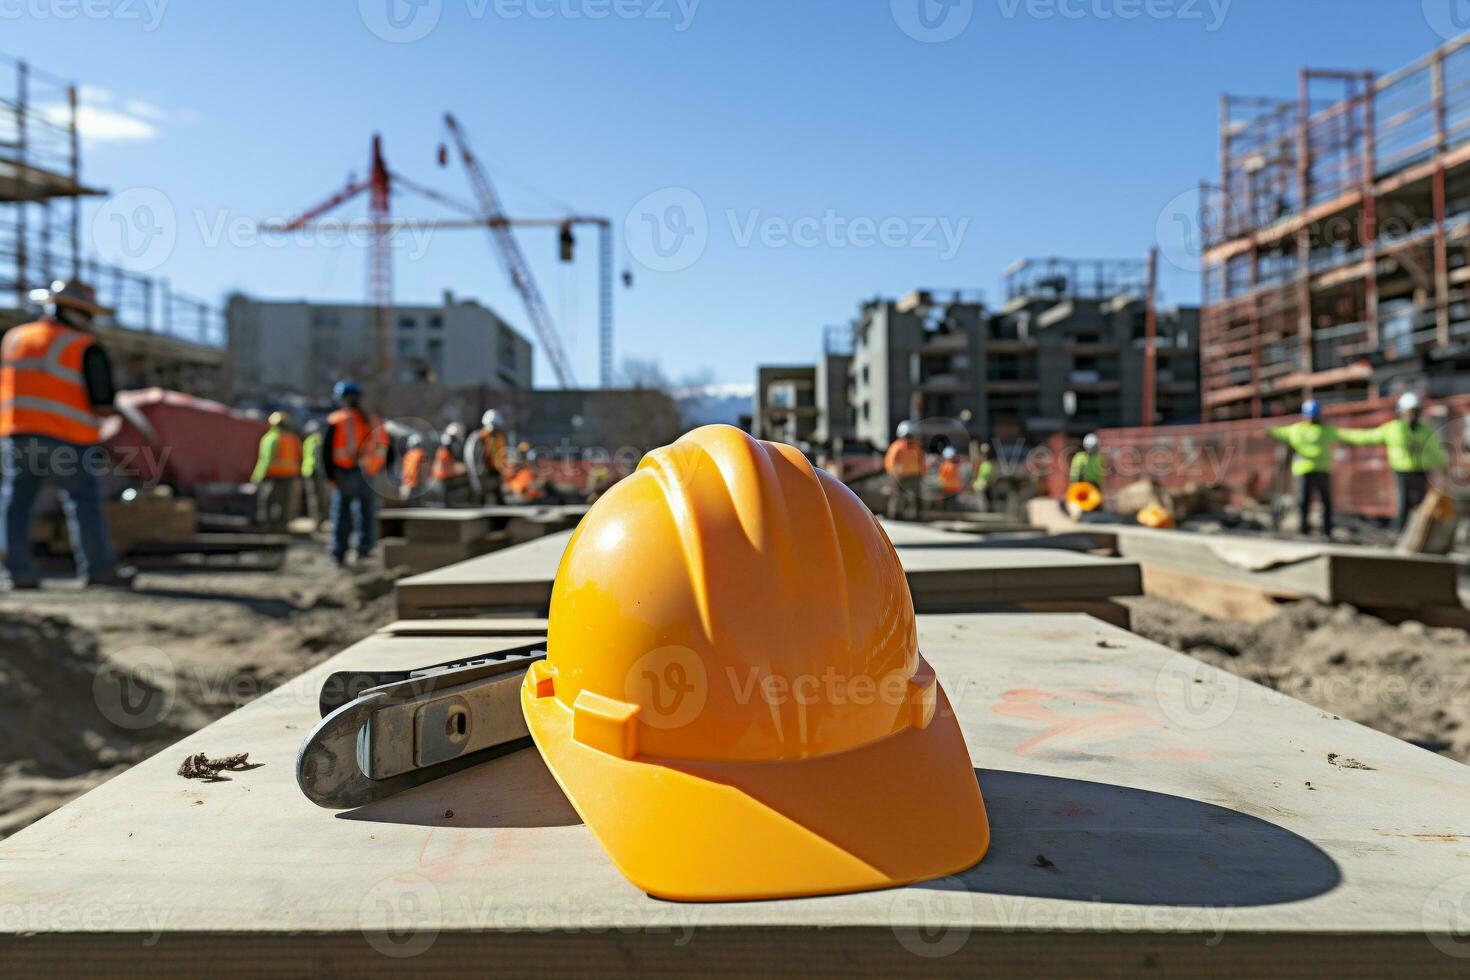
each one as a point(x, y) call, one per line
point(734, 699)
point(277, 418)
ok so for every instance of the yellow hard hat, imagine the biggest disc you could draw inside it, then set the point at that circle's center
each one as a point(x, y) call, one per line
point(733, 697)
point(277, 418)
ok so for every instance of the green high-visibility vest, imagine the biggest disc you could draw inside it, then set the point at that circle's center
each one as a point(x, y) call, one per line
point(1311, 443)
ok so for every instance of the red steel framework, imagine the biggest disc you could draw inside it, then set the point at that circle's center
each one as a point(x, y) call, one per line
point(1335, 244)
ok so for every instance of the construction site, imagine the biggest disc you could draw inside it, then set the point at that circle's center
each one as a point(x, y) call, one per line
point(1065, 628)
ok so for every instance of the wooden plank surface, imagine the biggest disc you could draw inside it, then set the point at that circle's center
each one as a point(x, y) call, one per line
point(442, 525)
point(947, 572)
point(1149, 816)
point(1296, 569)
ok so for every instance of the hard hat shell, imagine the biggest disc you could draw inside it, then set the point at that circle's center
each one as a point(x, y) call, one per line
point(1089, 442)
point(733, 697)
point(948, 452)
point(1409, 402)
point(1311, 409)
point(491, 419)
point(344, 388)
point(277, 418)
point(903, 430)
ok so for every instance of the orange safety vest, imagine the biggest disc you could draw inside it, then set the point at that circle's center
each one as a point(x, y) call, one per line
point(446, 467)
point(286, 460)
point(951, 480)
point(358, 440)
point(413, 467)
point(494, 444)
point(523, 483)
point(42, 390)
point(903, 459)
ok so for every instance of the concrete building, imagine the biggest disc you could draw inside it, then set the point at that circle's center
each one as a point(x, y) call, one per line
point(918, 357)
point(1064, 354)
point(784, 408)
point(835, 417)
point(287, 347)
point(1066, 351)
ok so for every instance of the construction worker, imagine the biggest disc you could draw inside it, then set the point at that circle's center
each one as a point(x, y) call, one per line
point(523, 481)
point(311, 473)
point(1311, 441)
point(415, 468)
point(354, 451)
point(484, 455)
point(904, 463)
point(1414, 451)
point(951, 477)
point(1087, 465)
point(449, 471)
point(55, 384)
point(984, 477)
point(277, 473)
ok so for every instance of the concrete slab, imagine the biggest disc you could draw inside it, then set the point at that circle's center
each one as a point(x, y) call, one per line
point(1148, 814)
point(941, 579)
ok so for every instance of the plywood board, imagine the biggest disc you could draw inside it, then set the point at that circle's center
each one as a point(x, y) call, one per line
point(441, 525)
point(941, 579)
point(1294, 569)
point(1149, 815)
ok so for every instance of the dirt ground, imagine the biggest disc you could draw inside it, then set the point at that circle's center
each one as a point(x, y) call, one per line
point(1410, 681)
point(92, 682)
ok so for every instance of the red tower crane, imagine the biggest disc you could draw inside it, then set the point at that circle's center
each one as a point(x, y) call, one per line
point(382, 184)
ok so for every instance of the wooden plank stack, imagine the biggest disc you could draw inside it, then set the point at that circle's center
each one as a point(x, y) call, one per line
point(425, 538)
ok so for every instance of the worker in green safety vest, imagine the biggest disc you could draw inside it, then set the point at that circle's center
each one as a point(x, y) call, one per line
point(1311, 441)
point(1414, 451)
point(1087, 465)
point(984, 477)
point(311, 478)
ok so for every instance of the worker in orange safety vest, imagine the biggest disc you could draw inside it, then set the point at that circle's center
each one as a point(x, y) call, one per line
point(277, 475)
point(484, 456)
point(951, 477)
point(55, 386)
point(354, 451)
point(904, 463)
point(449, 471)
point(415, 476)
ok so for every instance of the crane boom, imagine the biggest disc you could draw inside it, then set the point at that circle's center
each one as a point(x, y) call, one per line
point(511, 257)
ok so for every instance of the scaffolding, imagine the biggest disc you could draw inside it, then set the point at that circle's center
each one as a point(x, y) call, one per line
point(1061, 278)
point(1335, 240)
point(41, 193)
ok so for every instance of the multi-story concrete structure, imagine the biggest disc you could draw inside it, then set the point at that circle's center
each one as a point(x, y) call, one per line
point(1335, 243)
point(1066, 353)
point(294, 347)
point(917, 357)
point(784, 407)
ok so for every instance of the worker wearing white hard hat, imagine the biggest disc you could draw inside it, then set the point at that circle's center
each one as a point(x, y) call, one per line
point(277, 475)
point(484, 458)
point(904, 463)
point(1413, 448)
point(1087, 466)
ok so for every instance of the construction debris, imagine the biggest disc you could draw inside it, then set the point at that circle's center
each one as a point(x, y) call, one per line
point(201, 766)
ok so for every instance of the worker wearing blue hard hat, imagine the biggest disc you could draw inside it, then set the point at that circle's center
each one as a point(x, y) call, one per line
point(1312, 442)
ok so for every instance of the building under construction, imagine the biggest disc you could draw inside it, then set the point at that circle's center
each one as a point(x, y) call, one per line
point(156, 336)
point(1334, 244)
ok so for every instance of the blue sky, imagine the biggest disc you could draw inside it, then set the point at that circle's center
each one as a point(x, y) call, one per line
point(793, 156)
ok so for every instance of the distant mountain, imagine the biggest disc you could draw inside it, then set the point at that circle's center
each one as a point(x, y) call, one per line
point(709, 404)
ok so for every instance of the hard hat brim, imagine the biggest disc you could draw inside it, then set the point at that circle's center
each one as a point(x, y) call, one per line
point(905, 808)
